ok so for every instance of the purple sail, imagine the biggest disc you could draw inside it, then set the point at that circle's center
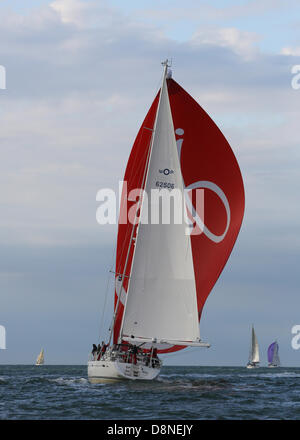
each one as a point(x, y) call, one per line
point(271, 351)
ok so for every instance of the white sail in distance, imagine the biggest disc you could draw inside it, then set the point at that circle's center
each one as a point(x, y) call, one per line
point(254, 351)
point(40, 358)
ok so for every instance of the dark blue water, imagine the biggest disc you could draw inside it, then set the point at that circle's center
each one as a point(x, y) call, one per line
point(63, 392)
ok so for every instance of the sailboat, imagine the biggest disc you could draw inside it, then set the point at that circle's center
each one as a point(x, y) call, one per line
point(40, 359)
point(254, 351)
point(273, 356)
point(165, 271)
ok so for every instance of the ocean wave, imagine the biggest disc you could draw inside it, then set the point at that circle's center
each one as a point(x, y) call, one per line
point(70, 381)
point(285, 374)
point(57, 380)
point(200, 382)
point(188, 375)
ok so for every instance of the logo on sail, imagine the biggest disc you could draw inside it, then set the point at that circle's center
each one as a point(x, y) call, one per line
point(166, 171)
point(204, 184)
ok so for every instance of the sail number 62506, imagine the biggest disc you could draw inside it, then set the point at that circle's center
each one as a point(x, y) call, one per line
point(165, 185)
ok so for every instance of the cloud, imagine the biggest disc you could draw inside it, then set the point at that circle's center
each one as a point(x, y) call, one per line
point(206, 11)
point(241, 43)
point(290, 51)
point(71, 11)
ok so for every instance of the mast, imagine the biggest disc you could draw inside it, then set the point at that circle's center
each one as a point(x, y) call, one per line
point(140, 204)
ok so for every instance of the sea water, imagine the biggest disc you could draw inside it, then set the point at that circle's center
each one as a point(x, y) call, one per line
point(180, 393)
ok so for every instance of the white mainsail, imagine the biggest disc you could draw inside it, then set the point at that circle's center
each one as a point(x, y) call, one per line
point(161, 298)
point(40, 358)
point(254, 350)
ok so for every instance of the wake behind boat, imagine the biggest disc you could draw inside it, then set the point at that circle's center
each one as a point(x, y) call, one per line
point(165, 271)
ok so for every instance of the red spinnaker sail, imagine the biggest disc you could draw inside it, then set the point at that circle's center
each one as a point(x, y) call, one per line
point(207, 162)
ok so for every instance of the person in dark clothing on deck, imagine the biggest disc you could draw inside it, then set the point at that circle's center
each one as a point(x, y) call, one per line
point(154, 357)
point(104, 347)
point(134, 352)
point(94, 350)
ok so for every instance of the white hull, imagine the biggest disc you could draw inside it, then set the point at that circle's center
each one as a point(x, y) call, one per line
point(110, 371)
point(252, 366)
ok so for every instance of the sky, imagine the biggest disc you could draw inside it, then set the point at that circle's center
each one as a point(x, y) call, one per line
point(80, 77)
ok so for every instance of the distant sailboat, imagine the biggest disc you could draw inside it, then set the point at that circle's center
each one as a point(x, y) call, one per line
point(254, 352)
point(273, 357)
point(40, 358)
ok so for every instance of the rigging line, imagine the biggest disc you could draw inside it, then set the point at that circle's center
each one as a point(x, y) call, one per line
point(138, 169)
point(139, 166)
point(127, 233)
point(128, 230)
point(132, 175)
point(113, 257)
point(135, 226)
point(101, 324)
point(141, 132)
point(131, 230)
point(103, 311)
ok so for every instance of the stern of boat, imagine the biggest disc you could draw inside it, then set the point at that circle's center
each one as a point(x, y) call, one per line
point(113, 367)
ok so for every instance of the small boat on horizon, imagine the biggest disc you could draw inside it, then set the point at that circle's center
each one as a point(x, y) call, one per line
point(40, 359)
point(273, 356)
point(254, 351)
